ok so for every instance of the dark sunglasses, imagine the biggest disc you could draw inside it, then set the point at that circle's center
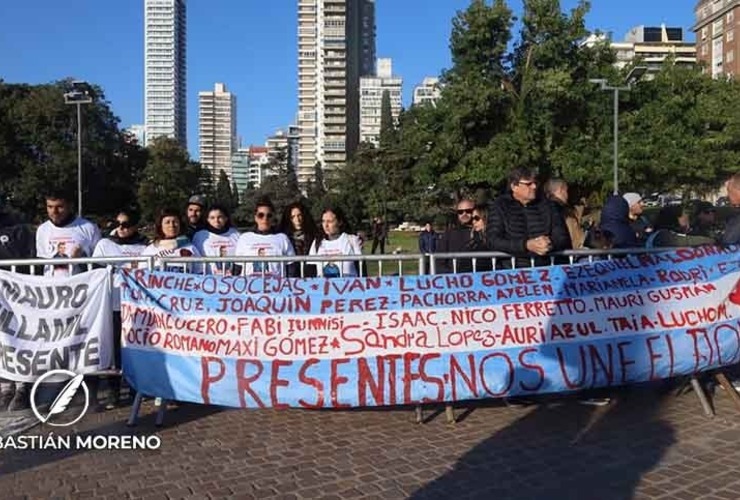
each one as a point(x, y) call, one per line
point(124, 225)
point(262, 215)
point(461, 211)
point(528, 183)
point(476, 218)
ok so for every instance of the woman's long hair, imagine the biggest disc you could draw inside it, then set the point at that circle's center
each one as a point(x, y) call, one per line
point(309, 226)
point(341, 219)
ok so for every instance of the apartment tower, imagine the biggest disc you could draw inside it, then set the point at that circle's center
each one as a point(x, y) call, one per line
point(165, 70)
point(371, 97)
point(217, 129)
point(336, 46)
point(717, 48)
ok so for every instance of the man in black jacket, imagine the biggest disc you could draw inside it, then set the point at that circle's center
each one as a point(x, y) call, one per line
point(457, 239)
point(524, 225)
point(16, 242)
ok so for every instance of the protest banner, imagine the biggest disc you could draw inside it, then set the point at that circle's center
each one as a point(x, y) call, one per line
point(338, 343)
point(54, 323)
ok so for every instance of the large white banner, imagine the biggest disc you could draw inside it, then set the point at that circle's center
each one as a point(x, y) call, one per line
point(54, 323)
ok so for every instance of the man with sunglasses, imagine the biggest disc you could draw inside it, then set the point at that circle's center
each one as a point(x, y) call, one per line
point(525, 225)
point(457, 239)
point(264, 241)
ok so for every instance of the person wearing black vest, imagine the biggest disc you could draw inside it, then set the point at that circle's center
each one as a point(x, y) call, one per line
point(524, 225)
point(16, 242)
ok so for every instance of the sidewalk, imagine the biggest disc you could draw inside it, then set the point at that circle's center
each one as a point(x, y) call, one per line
point(644, 445)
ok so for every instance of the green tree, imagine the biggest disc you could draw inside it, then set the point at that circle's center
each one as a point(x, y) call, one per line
point(234, 195)
point(223, 191)
point(387, 127)
point(170, 177)
point(38, 149)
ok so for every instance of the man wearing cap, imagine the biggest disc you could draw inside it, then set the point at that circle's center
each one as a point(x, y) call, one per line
point(638, 222)
point(194, 214)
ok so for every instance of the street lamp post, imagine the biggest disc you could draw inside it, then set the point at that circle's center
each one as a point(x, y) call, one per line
point(634, 74)
point(78, 96)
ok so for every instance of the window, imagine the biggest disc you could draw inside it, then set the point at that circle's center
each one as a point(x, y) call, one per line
point(730, 35)
point(730, 18)
point(730, 56)
point(717, 28)
point(704, 32)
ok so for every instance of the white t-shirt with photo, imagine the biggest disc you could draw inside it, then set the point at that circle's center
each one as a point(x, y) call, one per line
point(267, 245)
point(175, 248)
point(217, 245)
point(76, 239)
point(109, 248)
point(345, 244)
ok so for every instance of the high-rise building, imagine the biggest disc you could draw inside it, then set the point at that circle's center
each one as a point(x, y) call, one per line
point(428, 91)
point(336, 45)
point(371, 96)
point(137, 133)
point(649, 46)
point(717, 48)
point(165, 70)
point(217, 129)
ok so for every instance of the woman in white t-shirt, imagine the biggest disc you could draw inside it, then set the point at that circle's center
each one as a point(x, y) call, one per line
point(170, 242)
point(334, 240)
point(264, 242)
point(126, 241)
point(218, 239)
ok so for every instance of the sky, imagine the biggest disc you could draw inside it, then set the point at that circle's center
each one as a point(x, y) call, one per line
point(250, 45)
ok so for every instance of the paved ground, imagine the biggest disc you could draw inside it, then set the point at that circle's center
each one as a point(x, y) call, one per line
point(646, 444)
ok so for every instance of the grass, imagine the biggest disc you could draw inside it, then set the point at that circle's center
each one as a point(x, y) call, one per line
point(407, 242)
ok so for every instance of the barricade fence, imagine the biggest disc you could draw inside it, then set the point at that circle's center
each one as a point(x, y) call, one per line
point(393, 336)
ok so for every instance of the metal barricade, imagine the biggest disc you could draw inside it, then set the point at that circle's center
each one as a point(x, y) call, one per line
point(368, 266)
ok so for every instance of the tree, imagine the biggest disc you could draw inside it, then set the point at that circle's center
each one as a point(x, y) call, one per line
point(170, 177)
point(38, 149)
point(223, 191)
point(387, 127)
point(234, 195)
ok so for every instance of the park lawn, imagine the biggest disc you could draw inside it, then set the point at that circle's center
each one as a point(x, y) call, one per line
point(407, 242)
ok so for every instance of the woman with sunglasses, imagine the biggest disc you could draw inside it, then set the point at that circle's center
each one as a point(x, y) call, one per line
point(298, 225)
point(125, 241)
point(218, 239)
point(333, 239)
point(171, 242)
point(264, 241)
point(478, 241)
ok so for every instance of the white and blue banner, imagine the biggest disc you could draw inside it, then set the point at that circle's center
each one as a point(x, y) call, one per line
point(334, 343)
point(51, 323)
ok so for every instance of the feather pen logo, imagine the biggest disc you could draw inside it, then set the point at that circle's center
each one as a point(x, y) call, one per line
point(61, 403)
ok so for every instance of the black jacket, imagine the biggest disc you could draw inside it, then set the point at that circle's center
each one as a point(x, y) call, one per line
point(510, 224)
point(731, 234)
point(16, 241)
point(457, 239)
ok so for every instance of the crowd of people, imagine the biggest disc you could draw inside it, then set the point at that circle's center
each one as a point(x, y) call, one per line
point(525, 222)
point(529, 224)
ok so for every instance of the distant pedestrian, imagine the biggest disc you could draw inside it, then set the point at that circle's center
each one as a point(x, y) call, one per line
point(380, 234)
point(427, 239)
